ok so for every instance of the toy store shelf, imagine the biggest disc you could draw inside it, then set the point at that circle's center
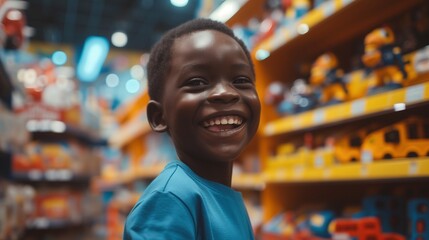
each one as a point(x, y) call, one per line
point(130, 130)
point(252, 181)
point(49, 224)
point(365, 107)
point(147, 172)
point(250, 9)
point(378, 170)
point(318, 27)
point(62, 175)
point(53, 130)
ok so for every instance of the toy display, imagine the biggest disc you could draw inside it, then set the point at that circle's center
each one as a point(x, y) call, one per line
point(362, 229)
point(382, 217)
point(408, 138)
point(418, 217)
point(388, 209)
point(384, 59)
point(319, 223)
point(327, 78)
point(268, 26)
point(13, 23)
point(299, 98)
point(55, 161)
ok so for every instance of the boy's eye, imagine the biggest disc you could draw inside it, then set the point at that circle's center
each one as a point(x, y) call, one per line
point(243, 80)
point(196, 82)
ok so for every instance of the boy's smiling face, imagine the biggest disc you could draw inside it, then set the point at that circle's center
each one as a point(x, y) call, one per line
point(209, 105)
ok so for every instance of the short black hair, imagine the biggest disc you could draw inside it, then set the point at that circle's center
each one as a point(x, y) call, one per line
point(160, 56)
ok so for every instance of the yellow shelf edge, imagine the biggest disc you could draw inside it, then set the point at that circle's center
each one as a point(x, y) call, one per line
point(146, 172)
point(253, 181)
point(383, 169)
point(356, 108)
point(130, 130)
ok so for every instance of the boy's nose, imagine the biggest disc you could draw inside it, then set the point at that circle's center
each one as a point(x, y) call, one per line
point(223, 93)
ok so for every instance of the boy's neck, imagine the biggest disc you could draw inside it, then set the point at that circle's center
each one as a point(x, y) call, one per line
point(220, 172)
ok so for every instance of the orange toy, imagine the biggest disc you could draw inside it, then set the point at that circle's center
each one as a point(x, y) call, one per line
point(326, 76)
point(384, 59)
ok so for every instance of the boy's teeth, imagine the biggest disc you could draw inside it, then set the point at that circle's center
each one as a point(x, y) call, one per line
point(226, 120)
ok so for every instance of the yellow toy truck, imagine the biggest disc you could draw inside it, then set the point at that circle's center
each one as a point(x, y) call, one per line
point(405, 139)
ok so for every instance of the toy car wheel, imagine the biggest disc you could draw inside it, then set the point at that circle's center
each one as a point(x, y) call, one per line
point(412, 155)
point(387, 156)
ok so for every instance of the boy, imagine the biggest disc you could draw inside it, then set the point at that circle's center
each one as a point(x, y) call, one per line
point(202, 89)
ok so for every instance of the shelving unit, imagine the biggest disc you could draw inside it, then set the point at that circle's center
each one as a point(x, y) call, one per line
point(361, 108)
point(336, 26)
point(378, 170)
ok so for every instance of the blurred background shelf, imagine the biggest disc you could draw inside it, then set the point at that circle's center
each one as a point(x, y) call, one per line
point(378, 170)
point(366, 107)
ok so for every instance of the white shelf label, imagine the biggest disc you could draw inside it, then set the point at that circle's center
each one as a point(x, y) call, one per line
point(296, 122)
point(415, 93)
point(364, 170)
point(358, 107)
point(328, 8)
point(269, 130)
point(413, 168)
point(327, 173)
point(319, 116)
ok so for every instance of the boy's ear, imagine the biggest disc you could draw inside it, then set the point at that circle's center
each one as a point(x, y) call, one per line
point(154, 113)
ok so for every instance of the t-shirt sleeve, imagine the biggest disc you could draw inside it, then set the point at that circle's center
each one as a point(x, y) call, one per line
point(161, 216)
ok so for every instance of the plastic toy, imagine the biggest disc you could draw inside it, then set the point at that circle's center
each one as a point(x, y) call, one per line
point(348, 142)
point(361, 229)
point(347, 147)
point(268, 26)
point(326, 77)
point(319, 223)
point(408, 138)
point(297, 9)
point(13, 24)
point(299, 98)
point(275, 93)
point(389, 210)
point(418, 216)
point(384, 59)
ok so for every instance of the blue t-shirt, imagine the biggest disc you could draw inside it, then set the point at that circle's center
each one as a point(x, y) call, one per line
point(179, 204)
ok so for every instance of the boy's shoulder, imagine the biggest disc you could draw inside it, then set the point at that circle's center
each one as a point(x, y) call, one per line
point(174, 179)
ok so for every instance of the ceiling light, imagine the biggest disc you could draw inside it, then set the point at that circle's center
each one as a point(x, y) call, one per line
point(59, 58)
point(132, 86)
point(94, 53)
point(119, 39)
point(137, 72)
point(226, 10)
point(179, 3)
point(112, 80)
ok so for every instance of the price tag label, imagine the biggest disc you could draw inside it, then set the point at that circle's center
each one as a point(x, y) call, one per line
point(358, 107)
point(328, 8)
point(269, 130)
point(327, 173)
point(296, 123)
point(414, 93)
point(319, 116)
point(364, 170)
point(280, 175)
point(35, 175)
point(413, 168)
